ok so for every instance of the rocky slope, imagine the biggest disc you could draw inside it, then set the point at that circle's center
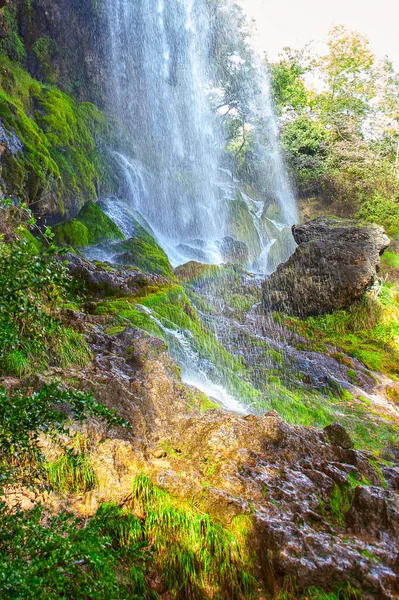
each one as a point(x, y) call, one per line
point(318, 509)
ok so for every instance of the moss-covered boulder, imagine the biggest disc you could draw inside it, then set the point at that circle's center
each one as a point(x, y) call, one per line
point(92, 226)
point(144, 252)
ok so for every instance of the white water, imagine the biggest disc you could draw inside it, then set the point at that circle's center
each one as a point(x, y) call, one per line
point(195, 371)
point(175, 183)
point(160, 74)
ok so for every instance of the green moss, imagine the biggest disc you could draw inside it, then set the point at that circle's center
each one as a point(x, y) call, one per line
point(71, 233)
point(144, 252)
point(100, 226)
point(390, 259)
point(12, 46)
point(61, 140)
point(45, 48)
point(91, 226)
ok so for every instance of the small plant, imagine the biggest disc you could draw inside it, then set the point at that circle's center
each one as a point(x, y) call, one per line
point(195, 554)
point(73, 471)
point(24, 417)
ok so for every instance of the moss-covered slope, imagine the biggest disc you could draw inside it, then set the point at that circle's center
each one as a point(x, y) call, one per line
point(62, 162)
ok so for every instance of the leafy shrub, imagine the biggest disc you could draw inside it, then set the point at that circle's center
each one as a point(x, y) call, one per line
point(382, 210)
point(63, 557)
point(33, 286)
point(24, 417)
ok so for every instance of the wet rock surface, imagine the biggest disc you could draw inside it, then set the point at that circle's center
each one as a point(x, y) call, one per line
point(319, 510)
point(333, 265)
point(103, 280)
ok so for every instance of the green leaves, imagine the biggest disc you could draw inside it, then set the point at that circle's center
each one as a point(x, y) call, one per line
point(24, 417)
point(33, 287)
point(68, 558)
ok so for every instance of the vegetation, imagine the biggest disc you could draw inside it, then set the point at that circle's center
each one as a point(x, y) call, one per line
point(341, 138)
point(64, 557)
point(143, 252)
point(197, 556)
point(91, 226)
point(367, 331)
point(63, 141)
point(24, 417)
point(12, 46)
point(34, 287)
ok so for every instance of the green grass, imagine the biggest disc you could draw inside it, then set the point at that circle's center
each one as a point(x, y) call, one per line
point(390, 259)
point(72, 472)
point(197, 556)
point(368, 330)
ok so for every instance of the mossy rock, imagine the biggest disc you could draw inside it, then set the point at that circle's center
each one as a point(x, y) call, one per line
point(194, 271)
point(144, 252)
point(241, 226)
point(92, 226)
point(61, 165)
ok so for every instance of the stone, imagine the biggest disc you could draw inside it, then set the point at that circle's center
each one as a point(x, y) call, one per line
point(374, 511)
point(101, 280)
point(338, 436)
point(233, 251)
point(335, 262)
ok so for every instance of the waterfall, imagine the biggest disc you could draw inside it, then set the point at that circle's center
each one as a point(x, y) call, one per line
point(178, 179)
point(159, 86)
point(157, 90)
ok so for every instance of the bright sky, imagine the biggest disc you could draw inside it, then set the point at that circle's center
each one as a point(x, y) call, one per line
point(296, 22)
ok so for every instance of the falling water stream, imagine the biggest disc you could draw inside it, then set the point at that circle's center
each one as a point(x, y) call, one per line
point(174, 182)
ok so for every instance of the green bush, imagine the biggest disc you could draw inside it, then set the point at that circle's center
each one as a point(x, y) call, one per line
point(64, 557)
point(33, 287)
point(24, 417)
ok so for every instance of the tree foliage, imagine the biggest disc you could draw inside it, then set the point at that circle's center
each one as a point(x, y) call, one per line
point(339, 121)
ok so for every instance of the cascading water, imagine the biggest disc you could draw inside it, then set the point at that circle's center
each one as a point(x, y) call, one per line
point(176, 182)
point(158, 79)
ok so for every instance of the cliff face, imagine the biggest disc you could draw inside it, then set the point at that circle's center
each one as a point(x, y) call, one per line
point(62, 42)
point(55, 142)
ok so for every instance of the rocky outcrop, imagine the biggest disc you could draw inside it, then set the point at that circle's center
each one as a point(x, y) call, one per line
point(101, 280)
point(319, 513)
point(78, 60)
point(233, 251)
point(334, 264)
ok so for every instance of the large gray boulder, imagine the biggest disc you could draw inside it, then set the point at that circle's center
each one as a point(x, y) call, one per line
point(335, 262)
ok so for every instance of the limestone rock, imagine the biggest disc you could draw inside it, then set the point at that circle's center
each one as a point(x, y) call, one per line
point(101, 280)
point(338, 436)
point(335, 263)
point(233, 251)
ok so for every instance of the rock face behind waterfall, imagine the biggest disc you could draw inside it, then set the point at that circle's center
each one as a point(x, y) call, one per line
point(333, 265)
